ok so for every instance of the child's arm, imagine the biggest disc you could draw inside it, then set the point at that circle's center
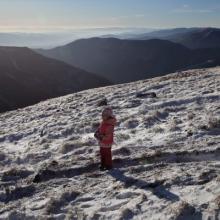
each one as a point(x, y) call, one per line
point(98, 136)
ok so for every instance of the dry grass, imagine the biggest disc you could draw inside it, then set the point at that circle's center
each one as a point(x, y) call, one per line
point(2, 156)
point(95, 125)
point(16, 173)
point(151, 157)
point(190, 115)
point(213, 122)
point(70, 146)
point(217, 201)
point(52, 206)
point(149, 121)
point(218, 179)
point(183, 210)
point(67, 147)
point(121, 136)
point(55, 204)
point(190, 132)
point(157, 153)
point(173, 126)
point(158, 129)
point(154, 117)
point(122, 151)
point(132, 123)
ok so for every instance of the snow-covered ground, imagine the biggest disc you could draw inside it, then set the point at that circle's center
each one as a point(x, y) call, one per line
point(166, 153)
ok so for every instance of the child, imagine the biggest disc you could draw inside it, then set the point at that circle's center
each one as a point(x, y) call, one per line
point(104, 135)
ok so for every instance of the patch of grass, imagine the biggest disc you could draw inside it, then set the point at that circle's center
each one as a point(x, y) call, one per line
point(52, 206)
point(2, 132)
point(55, 204)
point(122, 136)
point(173, 126)
point(122, 151)
point(151, 158)
point(158, 129)
point(189, 132)
point(2, 156)
point(70, 146)
point(183, 210)
point(15, 173)
point(95, 125)
point(157, 153)
point(217, 201)
point(190, 115)
point(149, 121)
point(218, 179)
point(213, 122)
point(132, 123)
point(154, 118)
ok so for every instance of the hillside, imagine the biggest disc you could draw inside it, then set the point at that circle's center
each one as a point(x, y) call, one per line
point(166, 153)
point(128, 60)
point(27, 78)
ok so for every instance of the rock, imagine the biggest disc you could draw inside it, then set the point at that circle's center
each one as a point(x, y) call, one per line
point(103, 102)
point(146, 95)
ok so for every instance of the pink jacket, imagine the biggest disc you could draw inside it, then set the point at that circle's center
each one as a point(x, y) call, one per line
point(106, 129)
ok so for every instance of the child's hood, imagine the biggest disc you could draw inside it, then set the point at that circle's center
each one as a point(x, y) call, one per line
point(111, 121)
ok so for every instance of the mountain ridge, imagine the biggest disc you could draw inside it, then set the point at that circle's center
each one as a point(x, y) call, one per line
point(193, 38)
point(124, 61)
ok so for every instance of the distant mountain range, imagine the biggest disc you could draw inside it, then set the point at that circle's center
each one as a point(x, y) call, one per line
point(128, 60)
point(154, 34)
point(203, 38)
point(27, 78)
point(189, 37)
point(193, 38)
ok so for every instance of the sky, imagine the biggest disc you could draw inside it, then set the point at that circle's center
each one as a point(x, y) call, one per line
point(51, 15)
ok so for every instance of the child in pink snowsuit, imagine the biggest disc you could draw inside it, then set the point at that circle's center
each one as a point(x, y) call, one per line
point(105, 134)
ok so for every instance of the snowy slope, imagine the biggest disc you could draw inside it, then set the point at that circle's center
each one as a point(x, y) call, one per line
point(166, 153)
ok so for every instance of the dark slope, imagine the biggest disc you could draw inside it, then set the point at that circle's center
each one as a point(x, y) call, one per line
point(193, 38)
point(128, 60)
point(202, 38)
point(27, 77)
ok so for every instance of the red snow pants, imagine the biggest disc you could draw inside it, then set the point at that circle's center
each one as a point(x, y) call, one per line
point(106, 156)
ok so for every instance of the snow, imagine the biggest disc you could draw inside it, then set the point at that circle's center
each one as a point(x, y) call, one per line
point(166, 153)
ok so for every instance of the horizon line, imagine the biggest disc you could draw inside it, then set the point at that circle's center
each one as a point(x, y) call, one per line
point(69, 29)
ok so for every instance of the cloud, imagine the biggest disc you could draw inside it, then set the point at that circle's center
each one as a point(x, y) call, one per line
point(118, 18)
point(189, 10)
point(186, 6)
point(216, 7)
point(139, 15)
point(124, 17)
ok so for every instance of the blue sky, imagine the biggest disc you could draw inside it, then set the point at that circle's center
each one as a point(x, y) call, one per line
point(33, 15)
